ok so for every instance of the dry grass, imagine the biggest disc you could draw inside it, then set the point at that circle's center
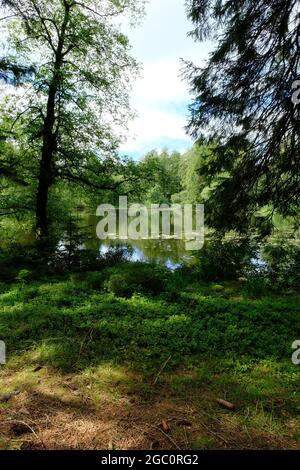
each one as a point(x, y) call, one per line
point(107, 408)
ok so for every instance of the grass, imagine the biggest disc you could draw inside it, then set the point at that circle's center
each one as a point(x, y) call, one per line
point(99, 346)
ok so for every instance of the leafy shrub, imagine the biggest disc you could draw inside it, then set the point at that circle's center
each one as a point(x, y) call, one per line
point(284, 264)
point(136, 278)
point(115, 255)
point(216, 288)
point(223, 260)
point(94, 280)
point(24, 275)
point(257, 285)
point(121, 285)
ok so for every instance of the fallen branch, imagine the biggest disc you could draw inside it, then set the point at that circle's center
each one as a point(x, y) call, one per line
point(89, 333)
point(162, 369)
point(225, 404)
point(32, 430)
point(218, 436)
point(186, 437)
point(170, 439)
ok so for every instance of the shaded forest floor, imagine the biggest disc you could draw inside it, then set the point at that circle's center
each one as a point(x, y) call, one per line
point(93, 369)
point(108, 408)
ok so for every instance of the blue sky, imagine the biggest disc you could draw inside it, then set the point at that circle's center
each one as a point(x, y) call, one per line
point(160, 97)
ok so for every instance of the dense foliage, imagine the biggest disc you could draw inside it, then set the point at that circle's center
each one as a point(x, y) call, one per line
point(243, 103)
point(64, 123)
point(142, 325)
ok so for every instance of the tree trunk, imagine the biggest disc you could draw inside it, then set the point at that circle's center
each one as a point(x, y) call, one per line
point(46, 175)
point(41, 207)
point(44, 183)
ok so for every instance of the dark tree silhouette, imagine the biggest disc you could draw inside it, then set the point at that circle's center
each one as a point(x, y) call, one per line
point(243, 101)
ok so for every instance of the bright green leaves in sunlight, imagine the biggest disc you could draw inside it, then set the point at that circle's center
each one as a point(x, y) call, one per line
point(72, 112)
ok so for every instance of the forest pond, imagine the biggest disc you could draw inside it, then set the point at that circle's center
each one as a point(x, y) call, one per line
point(169, 252)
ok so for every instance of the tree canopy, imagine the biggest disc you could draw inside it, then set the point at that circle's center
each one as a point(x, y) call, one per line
point(68, 118)
point(243, 103)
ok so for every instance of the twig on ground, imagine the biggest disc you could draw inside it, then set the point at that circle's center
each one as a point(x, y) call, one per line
point(218, 436)
point(162, 369)
point(32, 430)
point(89, 333)
point(170, 439)
point(185, 436)
point(226, 404)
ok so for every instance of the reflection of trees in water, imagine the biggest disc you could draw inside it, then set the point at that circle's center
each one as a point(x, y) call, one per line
point(149, 250)
point(161, 250)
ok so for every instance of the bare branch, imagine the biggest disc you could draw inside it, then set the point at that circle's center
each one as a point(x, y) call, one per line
point(8, 17)
point(116, 13)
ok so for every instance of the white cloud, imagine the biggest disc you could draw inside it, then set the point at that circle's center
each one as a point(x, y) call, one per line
point(160, 83)
point(154, 126)
point(155, 97)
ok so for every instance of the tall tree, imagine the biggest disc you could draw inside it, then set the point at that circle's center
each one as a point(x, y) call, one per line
point(243, 101)
point(72, 111)
point(194, 187)
point(163, 180)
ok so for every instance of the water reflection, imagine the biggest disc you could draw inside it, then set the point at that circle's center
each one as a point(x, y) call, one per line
point(147, 251)
point(169, 252)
